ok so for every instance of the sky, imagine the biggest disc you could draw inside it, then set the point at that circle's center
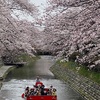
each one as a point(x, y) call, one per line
point(41, 4)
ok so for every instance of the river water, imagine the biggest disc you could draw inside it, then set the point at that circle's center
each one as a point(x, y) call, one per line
point(19, 78)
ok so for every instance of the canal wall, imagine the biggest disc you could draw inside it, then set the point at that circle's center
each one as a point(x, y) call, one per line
point(4, 70)
point(88, 89)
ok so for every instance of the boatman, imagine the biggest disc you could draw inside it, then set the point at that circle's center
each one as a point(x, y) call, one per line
point(38, 82)
point(37, 79)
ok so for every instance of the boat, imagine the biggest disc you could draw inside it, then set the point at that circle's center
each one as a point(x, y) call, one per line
point(46, 96)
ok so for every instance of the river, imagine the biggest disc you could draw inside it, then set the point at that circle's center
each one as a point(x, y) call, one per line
point(19, 78)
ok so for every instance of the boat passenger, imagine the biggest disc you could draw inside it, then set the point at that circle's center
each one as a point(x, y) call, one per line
point(37, 79)
point(38, 92)
point(54, 92)
point(50, 90)
point(31, 91)
point(42, 90)
point(27, 92)
point(35, 89)
point(51, 87)
point(45, 92)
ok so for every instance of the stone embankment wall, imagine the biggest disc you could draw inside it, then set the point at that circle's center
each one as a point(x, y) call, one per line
point(88, 89)
point(4, 70)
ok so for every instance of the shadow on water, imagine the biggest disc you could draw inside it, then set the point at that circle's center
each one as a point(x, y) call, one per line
point(19, 78)
point(41, 68)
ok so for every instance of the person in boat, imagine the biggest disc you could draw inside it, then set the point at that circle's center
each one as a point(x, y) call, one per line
point(42, 90)
point(27, 91)
point(50, 90)
point(38, 82)
point(38, 92)
point(37, 79)
point(45, 92)
point(35, 89)
point(32, 91)
point(54, 92)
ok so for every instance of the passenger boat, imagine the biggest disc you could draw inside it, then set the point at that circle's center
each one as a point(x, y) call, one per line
point(40, 97)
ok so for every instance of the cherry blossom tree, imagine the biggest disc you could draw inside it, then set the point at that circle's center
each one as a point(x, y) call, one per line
point(71, 30)
point(16, 36)
point(77, 21)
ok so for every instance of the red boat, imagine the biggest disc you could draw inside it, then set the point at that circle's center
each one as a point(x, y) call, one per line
point(41, 97)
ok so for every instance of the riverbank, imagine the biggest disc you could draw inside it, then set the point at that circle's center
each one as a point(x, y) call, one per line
point(87, 88)
point(4, 70)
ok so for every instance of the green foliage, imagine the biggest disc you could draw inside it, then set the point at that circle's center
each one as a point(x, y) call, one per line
point(72, 57)
point(25, 58)
point(82, 70)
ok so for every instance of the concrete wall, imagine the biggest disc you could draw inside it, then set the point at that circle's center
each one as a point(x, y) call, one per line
point(87, 88)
